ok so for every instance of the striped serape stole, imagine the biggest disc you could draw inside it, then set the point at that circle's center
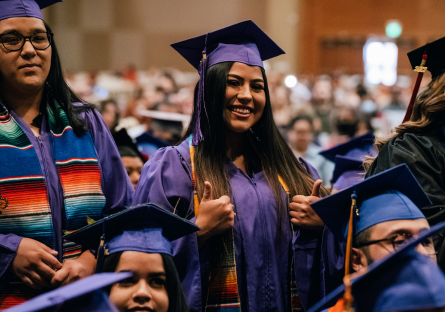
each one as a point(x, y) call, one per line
point(223, 292)
point(295, 303)
point(24, 205)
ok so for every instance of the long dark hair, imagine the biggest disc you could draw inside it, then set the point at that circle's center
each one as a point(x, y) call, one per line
point(265, 141)
point(176, 300)
point(63, 93)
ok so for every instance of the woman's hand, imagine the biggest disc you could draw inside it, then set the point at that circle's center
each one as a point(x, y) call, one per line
point(215, 216)
point(35, 263)
point(74, 270)
point(301, 212)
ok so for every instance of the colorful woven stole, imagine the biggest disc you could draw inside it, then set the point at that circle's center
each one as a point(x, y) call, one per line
point(223, 293)
point(24, 206)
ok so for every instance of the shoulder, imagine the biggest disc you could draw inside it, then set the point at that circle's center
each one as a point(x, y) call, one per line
point(412, 144)
point(170, 158)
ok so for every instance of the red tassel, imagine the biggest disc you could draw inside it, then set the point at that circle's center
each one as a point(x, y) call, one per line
point(421, 70)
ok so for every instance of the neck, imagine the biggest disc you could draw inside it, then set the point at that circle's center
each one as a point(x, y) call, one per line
point(234, 143)
point(25, 105)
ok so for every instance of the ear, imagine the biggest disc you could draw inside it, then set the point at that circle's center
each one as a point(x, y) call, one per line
point(359, 260)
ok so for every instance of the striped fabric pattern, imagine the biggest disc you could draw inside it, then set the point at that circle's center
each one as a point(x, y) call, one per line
point(28, 213)
point(223, 292)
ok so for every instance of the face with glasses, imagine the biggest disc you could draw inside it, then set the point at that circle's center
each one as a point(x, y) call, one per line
point(388, 237)
point(25, 55)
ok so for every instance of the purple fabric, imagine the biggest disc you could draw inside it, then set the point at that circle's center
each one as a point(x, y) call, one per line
point(348, 179)
point(262, 253)
point(116, 185)
point(23, 8)
point(246, 53)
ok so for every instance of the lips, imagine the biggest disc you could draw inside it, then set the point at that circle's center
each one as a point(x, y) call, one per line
point(137, 309)
point(29, 66)
point(241, 110)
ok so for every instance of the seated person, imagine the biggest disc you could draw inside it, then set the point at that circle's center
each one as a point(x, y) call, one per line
point(132, 158)
point(139, 239)
point(84, 295)
point(404, 281)
point(387, 213)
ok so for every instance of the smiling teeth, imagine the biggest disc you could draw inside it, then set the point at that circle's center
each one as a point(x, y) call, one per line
point(241, 110)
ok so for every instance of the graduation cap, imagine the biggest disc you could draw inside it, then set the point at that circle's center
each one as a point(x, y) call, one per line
point(145, 228)
point(356, 148)
point(244, 42)
point(391, 195)
point(428, 57)
point(84, 295)
point(404, 281)
point(348, 171)
point(149, 144)
point(126, 146)
point(24, 8)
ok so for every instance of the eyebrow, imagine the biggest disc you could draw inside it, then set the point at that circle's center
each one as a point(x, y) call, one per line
point(402, 231)
point(32, 31)
point(241, 78)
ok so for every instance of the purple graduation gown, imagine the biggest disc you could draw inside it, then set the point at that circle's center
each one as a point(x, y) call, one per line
point(262, 254)
point(116, 185)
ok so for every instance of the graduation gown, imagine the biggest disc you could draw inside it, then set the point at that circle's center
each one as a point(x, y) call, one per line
point(425, 156)
point(262, 253)
point(116, 185)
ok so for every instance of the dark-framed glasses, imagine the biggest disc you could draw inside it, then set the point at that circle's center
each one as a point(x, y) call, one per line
point(398, 241)
point(16, 41)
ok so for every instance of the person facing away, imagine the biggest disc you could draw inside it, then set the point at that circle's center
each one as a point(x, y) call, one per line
point(301, 141)
point(138, 240)
point(386, 213)
point(229, 177)
point(59, 162)
point(419, 142)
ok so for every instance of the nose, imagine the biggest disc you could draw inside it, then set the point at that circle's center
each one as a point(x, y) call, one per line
point(142, 293)
point(134, 178)
point(27, 49)
point(245, 95)
point(422, 250)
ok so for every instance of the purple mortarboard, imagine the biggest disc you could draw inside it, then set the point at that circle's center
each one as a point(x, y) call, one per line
point(24, 8)
point(244, 42)
point(404, 281)
point(84, 295)
point(145, 228)
point(391, 195)
point(348, 171)
point(357, 148)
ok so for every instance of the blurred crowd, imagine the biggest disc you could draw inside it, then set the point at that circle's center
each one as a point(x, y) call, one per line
point(313, 112)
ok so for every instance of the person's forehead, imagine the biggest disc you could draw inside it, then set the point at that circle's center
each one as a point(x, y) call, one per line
point(22, 24)
point(131, 260)
point(302, 123)
point(132, 161)
point(382, 230)
point(242, 69)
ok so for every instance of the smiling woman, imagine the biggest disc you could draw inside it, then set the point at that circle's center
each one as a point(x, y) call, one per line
point(55, 151)
point(233, 174)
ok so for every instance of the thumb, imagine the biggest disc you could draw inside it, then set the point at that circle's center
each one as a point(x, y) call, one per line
point(316, 188)
point(208, 193)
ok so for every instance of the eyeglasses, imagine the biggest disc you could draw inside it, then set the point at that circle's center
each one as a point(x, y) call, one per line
point(16, 41)
point(400, 240)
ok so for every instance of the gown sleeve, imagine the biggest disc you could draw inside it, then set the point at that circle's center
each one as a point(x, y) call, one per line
point(116, 185)
point(166, 181)
point(9, 244)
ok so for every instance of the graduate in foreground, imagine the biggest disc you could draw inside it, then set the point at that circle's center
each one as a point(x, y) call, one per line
point(372, 219)
point(138, 239)
point(233, 175)
point(404, 281)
